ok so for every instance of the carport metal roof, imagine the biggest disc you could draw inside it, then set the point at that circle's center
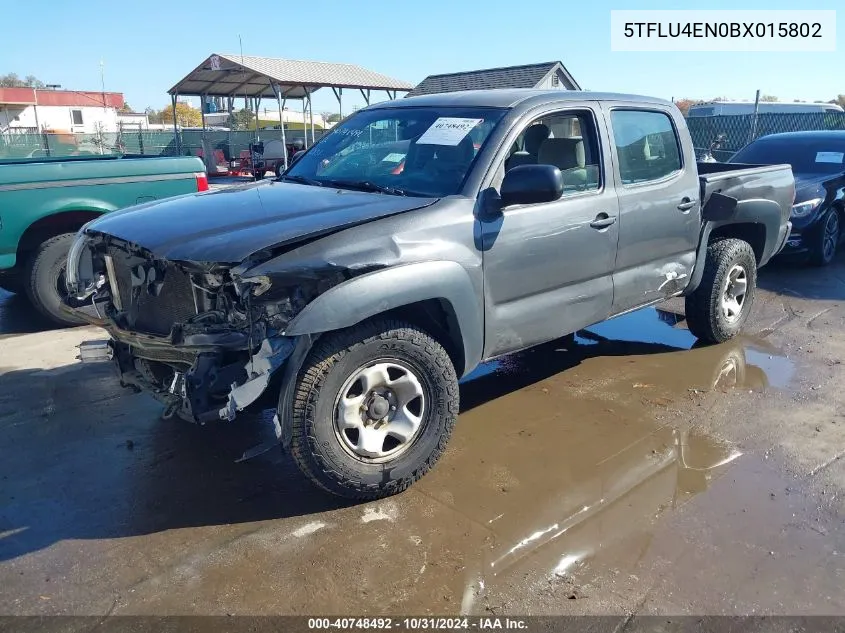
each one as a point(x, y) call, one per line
point(248, 76)
point(281, 79)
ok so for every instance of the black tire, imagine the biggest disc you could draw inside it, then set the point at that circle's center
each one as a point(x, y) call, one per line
point(705, 316)
point(316, 445)
point(44, 271)
point(280, 169)
point(825, 241)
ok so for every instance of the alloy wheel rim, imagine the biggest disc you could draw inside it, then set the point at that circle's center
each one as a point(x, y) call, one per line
point(733, 293)
point(380, 411)
point(831, 235)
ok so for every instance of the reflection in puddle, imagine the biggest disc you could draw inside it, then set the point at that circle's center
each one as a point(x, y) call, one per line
point(648, 325)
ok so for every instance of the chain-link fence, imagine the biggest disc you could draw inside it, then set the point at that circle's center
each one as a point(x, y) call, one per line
point(137, 142)
point(739, 130)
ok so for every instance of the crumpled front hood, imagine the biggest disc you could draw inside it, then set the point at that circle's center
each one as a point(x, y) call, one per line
point(228, 225)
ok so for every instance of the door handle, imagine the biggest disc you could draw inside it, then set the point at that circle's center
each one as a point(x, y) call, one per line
point(602, 221)
point(687, 204)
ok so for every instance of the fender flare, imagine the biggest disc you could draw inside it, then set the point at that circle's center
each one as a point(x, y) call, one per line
point(377, 292)
point(754, 211)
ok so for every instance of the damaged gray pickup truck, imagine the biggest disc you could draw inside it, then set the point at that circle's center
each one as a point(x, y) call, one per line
point(415, 240)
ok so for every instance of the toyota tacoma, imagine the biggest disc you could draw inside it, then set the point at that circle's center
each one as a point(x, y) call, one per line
point(415, 240)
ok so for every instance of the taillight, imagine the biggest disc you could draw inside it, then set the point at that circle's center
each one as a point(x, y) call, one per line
point(202, 181)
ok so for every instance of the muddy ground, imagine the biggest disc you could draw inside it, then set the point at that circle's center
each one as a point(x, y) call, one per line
point(633, 472)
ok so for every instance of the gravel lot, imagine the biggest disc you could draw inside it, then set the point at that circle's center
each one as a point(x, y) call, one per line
point(630, 473)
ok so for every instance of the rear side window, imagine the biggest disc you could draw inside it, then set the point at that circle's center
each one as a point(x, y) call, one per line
point(646, 144)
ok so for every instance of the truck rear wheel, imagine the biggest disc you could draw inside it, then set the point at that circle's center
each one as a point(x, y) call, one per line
point(373, 409)
point(46, 278)
point(719, 307)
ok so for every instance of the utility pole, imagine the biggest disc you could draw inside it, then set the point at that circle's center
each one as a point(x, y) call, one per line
point(105, 111)
point(753, 132)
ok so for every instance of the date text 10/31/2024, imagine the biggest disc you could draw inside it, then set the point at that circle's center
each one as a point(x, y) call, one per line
point(415, 624)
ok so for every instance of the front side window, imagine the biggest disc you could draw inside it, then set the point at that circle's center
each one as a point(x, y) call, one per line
point(76, 116)
point(424, 151)
point(646, 144)
point(567, 140)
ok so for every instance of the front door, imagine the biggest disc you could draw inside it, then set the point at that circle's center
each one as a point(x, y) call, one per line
point(548, 267)
point(659, 214)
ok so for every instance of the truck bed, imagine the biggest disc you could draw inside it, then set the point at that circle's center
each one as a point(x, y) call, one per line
point(743, 182)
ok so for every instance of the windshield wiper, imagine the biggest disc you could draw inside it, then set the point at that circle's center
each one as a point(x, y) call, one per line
point(366, 185)
point(302, 180)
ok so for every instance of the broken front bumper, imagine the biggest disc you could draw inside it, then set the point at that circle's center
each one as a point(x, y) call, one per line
point(199, 383)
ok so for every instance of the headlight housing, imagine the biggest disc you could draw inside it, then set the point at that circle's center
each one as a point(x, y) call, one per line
point(803, 209)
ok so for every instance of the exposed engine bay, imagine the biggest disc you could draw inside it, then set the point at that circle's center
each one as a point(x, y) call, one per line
point(204, 339)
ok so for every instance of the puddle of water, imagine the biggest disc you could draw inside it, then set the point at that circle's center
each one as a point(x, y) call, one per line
point(648, 325)
point(681, 361)
point(561, 463)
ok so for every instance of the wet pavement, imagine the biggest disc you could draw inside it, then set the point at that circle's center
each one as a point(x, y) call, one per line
point(629, 471)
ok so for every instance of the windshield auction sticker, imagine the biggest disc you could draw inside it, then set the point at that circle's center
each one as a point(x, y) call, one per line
point(734, 31)
point(830, 157)
point(447, 131)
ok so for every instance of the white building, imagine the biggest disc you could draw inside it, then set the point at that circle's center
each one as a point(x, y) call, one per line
point(34, 110)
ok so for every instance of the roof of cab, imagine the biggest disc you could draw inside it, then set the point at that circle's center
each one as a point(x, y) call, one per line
point(509, 98)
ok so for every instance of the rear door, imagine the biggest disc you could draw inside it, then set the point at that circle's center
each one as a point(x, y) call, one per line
point(659, 211)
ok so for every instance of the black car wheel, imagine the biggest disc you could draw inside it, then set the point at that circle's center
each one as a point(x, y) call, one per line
point(373, 409)
point(46, 277)
point(826, 240)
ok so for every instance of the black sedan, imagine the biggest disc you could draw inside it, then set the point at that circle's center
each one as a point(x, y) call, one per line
point(818, 162)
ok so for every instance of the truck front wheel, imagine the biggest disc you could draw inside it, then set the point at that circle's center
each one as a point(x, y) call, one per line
point(719, 307)
point(46, 278)
point(373, 409)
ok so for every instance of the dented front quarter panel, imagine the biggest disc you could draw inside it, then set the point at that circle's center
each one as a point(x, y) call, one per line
point(287, 297)
point(388, 264)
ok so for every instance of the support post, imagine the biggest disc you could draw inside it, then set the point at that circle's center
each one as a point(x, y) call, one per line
point(304, 131)
point(338, 93)
point(281, 101)
point(311, 115)
point(176, 135)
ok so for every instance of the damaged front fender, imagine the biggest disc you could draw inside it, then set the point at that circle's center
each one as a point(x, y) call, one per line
point(377, 292)
point(202, 385)
point(260, 368)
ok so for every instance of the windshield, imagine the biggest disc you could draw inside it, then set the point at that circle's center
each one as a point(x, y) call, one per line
point(813, 155)
point(419, 151)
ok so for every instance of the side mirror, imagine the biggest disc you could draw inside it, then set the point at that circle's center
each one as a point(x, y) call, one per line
point(529, 184)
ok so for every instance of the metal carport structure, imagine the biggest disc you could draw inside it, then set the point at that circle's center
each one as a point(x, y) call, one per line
point(234, 76)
